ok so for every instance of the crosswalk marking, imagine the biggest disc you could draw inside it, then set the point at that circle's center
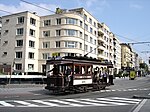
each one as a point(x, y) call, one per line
point(26, 103)
point(89, 103)
point(64, 102)
point(114, 90)
point(45, 103)
point(6, 104)
point(109, 101)
point(138, 100)
point(105, 103)
point(117, 102)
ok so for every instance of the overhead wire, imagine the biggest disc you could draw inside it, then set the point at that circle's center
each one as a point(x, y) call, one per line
point(54, 12)
point(36, 5)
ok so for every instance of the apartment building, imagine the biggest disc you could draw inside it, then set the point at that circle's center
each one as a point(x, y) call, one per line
point(20, 42)
point(73, 33)
point(135, 61)
point(116, 54)
point(126, 55)
point(28, 40)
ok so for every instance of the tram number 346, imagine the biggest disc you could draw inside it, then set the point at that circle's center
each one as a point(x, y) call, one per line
point(83, 81)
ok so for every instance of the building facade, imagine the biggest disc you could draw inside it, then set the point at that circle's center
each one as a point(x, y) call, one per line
point(28, 40)
point(129, 58)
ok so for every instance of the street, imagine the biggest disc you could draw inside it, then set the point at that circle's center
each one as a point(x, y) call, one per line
point(117, 98)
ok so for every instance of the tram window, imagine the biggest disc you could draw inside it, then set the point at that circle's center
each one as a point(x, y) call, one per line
point(77, 69)
point(89, 69)
point(83, 69)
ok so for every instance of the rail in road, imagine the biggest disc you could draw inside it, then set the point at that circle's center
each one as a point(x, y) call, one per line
point(109, 101)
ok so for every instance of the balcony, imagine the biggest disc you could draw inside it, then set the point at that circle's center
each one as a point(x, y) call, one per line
point(100, 33)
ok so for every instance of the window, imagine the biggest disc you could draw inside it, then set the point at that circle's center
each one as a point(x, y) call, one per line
point(19, 43)
point(58, 21)
point(45, 55)
point(71, 44)
point(81, 23)
point(91, 30)
point(19, 31)
point(46, 33)
point(31, 55)
point(18, 54)
point(46, 44)
point(91, 39)
point(32, 21)
point(80, 34)
point(57, 43)
point(7, 20)
point(20, 20)
point(70, 54)
point(86, 27)
point(47, 22)
point(71, 32)
point(31, 43)
point(32, 32)
point(5, 32)
point(94, 41)
point(95, 51)
point(58, 32)
point(95, 24)
point(91, 49)
point(5, 42)
point(86, 37)
point(71, 21)
point(85, 17)
point(80, 45)
point(95, 32)
point(4, 53)
point(30, 66)
point(18, 66)
point(90, 20)
point(86, 48)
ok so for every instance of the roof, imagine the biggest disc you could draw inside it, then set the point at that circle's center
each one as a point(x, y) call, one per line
point(79, 60)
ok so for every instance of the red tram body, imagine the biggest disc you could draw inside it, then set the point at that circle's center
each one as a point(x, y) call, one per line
point(82, 76)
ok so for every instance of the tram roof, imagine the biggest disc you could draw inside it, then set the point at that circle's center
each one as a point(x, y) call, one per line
point(78, 60)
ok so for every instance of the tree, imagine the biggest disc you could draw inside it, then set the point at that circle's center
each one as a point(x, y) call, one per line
point(144, 66)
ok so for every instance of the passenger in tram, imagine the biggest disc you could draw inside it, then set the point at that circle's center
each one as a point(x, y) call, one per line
point(96, 74)
point(68, 75)
point(53, 71)
point(105, 76)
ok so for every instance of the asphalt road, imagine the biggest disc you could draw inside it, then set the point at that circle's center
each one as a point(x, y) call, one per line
point(116, 98)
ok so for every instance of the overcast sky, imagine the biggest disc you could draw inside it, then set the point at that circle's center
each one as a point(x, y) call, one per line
point(129, 19)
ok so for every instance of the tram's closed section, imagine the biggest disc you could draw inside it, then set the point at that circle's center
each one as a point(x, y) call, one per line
point(77, 74)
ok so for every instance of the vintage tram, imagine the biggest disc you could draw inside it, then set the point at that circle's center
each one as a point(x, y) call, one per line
point(76, 74)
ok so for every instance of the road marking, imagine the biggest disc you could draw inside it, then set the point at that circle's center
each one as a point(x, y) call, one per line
point(66, 103)
point(108, 90)
point(137, 109)
point(138, 100)
point(105, 103)
point(115, 102)
point(6, 104)
point(45, 103)
point(26, 104)
point(113, 90)
point(109, 101)
point(84, 102)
